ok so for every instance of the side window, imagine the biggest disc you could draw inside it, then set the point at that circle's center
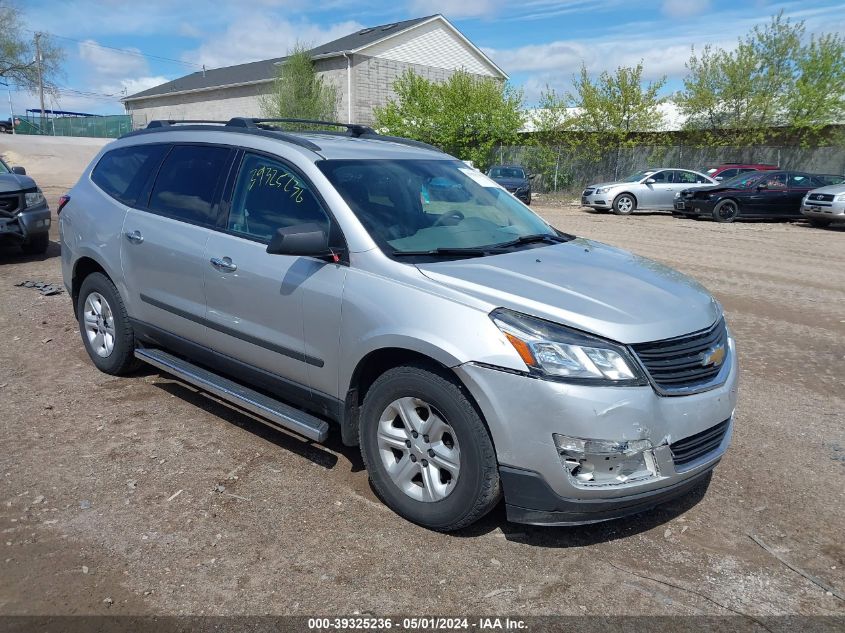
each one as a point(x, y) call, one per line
point(185, 186)
point(685, 177)
point(122, 173)
point(801, 181)
point(661, 177)
point(268, 196)
point(729, 173)
point(776, 181)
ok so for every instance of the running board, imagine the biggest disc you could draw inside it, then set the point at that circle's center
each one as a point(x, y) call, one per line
point(268, 408)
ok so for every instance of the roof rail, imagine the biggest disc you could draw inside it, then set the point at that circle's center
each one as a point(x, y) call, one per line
point(401, 140)
point(169, 122)
point(354, 129)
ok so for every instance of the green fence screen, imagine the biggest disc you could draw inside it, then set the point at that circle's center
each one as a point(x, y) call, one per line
point(97, 126)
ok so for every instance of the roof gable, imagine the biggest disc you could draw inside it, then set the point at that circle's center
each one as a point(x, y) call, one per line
point(265, 70)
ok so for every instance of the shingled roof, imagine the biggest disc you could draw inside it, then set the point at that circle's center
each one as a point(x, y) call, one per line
point(265, 70)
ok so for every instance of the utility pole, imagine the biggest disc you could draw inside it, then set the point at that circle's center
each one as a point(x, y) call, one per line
point(38, 61)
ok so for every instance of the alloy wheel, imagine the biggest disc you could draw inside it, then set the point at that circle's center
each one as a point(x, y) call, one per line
point(99, 324)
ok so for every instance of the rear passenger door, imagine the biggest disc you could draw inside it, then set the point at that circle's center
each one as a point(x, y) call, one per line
point(164, 238)
point(277, 313)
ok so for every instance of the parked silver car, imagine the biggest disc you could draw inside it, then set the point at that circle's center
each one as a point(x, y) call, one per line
point(825, 205)
point(379, 286)
point(645, 189)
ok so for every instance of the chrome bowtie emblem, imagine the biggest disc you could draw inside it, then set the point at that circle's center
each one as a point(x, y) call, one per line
point(714, 356)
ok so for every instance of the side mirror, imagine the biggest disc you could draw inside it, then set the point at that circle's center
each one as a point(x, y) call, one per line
point(650, 181)
point(762, 185)
point(718, 178)
point(304, 240)
point(19, 170)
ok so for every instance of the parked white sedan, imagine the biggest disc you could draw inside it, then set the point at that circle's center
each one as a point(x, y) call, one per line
point(646, 189)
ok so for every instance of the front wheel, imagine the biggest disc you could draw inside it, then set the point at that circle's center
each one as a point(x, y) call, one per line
point(819, 222)
point(36, 245)
point(726, 211)
point(426, 449)
point(624, 204)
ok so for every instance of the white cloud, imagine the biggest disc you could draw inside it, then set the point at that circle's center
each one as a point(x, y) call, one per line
point(452, 9)
point(107, 62)
point(684, 8)
point(255, 37)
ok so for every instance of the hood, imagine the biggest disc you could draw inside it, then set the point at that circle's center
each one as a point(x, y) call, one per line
point(10, 183)
point(830, 189)
point(608, 184)
point(511, 182)
point(586, 285)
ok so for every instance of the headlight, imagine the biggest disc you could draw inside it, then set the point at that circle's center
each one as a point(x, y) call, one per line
point(840, 197)
point(34, 198)
point(602, 190)
point(557, 352)
point(677, 194)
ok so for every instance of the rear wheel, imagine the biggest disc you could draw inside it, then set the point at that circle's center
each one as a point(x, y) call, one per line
point(624, 204)
point(105, 327)
point(36, 245)
point(819, 222)
point(726, 211)
point(427, 451)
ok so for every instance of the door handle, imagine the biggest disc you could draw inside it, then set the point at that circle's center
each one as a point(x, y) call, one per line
point(225, 264)
point(135, 237)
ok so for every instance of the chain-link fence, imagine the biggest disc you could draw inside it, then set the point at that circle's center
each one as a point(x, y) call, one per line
point(110, 126)
point(561, 169)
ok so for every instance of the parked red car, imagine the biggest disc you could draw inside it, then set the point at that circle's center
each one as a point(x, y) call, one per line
point(726, 171)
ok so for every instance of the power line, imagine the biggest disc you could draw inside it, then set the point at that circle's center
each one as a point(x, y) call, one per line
point(125, 50)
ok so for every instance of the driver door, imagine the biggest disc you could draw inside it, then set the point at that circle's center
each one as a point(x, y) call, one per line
point(657, 194)
point(277, 313)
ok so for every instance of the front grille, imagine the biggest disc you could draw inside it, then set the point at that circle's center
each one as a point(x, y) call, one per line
point(822, 197)
point(690, 448)
point(678, 364)
point(587, 192)
point(9, 204)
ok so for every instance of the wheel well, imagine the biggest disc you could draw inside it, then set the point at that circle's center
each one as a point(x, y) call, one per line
point(368, 370)
point(626, 193)
point(84, 267)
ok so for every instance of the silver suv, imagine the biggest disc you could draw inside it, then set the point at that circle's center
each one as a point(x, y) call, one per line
point(378, 286)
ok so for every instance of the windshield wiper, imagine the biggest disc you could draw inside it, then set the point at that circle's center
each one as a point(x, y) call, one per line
point(533, 239)
point(448, 252)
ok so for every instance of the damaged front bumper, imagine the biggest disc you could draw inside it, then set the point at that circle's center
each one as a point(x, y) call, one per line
point(24, 224)
point(572, 454)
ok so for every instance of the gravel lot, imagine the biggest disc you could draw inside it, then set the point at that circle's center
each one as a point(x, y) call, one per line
point(139, 496)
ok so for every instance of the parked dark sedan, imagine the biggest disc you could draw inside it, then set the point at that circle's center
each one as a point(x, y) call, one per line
point(514, 178)
point(769, 194)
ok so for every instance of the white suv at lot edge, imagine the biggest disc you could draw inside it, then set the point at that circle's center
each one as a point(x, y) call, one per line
point(825, 205)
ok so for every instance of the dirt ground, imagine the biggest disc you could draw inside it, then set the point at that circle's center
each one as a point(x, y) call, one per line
point(139, 496)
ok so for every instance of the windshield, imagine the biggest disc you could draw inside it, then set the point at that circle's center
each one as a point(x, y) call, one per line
point(638, 175)
point(420, 206)
point(742, 181)
point(507, 172)
point(4, 168)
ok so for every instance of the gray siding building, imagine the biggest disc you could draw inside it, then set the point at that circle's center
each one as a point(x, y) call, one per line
point(362, 65)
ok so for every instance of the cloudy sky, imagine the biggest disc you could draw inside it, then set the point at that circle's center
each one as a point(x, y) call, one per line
point(538, 42)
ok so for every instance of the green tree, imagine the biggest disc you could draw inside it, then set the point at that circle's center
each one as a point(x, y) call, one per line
point(18, 64)
point(773, 78)
point(615, 107)
point(299, 92)
point(466, 116)
point(551, 143)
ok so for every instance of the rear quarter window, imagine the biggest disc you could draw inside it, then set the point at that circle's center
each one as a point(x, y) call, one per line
point(122, 173)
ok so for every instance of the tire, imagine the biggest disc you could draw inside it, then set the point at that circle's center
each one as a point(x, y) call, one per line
point(726, 211)
point(109, 320)
point(624, 204)
point(37, 244)
point(819, 222)
point(409, 399)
